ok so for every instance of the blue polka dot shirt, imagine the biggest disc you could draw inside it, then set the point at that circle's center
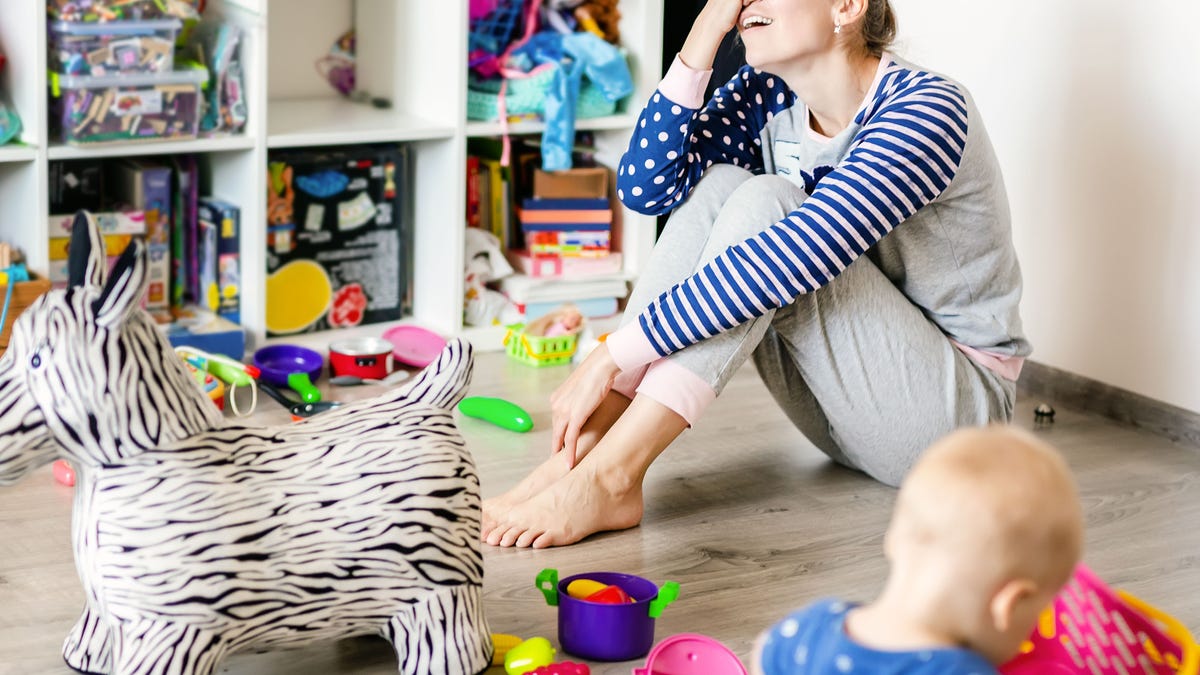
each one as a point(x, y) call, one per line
point(813, 641)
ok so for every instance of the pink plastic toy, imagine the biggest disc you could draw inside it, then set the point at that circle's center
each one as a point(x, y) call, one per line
point(1093, 629)
point(414, 346)
point(64, 473)
point(563, 668)
point(691, 654)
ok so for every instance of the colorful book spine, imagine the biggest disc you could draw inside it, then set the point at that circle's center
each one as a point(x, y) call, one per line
point(185, 233)
point(209, 290)
point(227, 219)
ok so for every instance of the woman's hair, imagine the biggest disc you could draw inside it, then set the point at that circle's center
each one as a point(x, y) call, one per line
point(878, 27)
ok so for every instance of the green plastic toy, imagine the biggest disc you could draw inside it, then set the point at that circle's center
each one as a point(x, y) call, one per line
point(504, 414)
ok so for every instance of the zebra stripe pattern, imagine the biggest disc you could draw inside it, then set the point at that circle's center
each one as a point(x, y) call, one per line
point(906, 153)
point(195, 538)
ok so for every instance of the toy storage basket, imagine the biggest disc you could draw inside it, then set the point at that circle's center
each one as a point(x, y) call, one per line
point(1094, 630)
point(527, 96)
point(24, 293)
point(538, 350)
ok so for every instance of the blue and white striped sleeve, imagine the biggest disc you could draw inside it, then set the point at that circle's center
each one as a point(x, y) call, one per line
point(674, 140)
point(903, 158)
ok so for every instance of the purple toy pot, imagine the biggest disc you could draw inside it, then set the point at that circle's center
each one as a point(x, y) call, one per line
point(607, 632)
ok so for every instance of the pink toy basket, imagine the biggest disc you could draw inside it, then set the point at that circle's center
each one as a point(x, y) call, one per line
point(1093, 630)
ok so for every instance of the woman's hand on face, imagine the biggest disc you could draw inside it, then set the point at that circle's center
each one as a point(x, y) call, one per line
point(716, 19)
point(722, 15)
point(578, 397)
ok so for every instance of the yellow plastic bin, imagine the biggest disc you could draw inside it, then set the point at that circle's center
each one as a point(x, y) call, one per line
point(538, 350)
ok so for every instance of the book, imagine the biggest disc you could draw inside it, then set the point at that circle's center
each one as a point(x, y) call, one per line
point(114, 245)
point(523, 289)
point(227, 219)
point(592, 308)
point(109, 222)
point(146, 186)
point(578, 218)
point(540, 203)
point(554, 265)
point(185, 274)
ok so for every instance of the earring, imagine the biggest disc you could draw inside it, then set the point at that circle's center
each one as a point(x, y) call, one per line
point(837, 28)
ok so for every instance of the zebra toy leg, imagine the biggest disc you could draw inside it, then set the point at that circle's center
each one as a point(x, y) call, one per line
point(88, 648)
point(444, 634)
point(161, 648)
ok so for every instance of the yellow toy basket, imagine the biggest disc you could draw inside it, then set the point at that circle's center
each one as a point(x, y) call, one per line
point(538, 350)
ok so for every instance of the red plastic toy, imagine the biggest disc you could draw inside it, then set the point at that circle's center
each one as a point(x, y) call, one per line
point(610, 595)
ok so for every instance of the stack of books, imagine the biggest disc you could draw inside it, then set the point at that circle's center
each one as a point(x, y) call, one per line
point(595, 297)
point(557, 230)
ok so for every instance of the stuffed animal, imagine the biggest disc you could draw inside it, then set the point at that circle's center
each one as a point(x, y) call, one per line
point(196, 537)
point(606, 16)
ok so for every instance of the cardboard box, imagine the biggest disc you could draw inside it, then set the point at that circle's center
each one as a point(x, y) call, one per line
point(586, 183)
point(338, 243)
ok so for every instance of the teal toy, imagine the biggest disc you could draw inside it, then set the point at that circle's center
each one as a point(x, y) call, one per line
point(504, 414)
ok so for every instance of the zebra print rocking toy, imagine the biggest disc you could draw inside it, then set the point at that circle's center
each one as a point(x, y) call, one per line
point(196, 538)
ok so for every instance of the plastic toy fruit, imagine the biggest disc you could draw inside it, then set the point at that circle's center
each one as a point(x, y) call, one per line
point(501, 644)
point(581, 588)
point(528, 656)
point(504, 414)
point(610, 595)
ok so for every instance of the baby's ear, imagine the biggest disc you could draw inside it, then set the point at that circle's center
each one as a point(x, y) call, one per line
point(1007, 599)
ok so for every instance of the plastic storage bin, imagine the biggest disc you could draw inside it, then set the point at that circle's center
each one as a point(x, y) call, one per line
point(82, 48)
point(145, 106)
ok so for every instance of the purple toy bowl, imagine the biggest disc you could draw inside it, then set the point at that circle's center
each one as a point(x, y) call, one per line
point(278, 361)
point(607, 632)
point(691, 654)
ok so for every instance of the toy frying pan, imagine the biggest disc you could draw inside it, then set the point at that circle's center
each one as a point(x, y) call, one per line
point(291, 366)
point(299, 410)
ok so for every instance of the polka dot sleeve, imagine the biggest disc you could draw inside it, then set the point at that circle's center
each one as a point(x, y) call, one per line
point(673, 144)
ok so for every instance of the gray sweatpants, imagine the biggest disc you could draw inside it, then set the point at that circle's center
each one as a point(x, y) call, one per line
point(858, 368)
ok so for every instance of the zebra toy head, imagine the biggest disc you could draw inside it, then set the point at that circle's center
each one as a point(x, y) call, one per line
point(87, 374)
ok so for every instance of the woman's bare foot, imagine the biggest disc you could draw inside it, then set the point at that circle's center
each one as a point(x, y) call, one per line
point(554, 468)
point(587, 500)
point(546, 474)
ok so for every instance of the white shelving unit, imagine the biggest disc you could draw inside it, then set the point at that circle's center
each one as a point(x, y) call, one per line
point(411, 53)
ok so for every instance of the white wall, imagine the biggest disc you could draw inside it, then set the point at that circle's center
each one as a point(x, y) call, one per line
point(1094, 109)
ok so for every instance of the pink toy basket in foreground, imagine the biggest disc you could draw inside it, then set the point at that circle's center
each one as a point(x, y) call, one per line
point(1093, 630)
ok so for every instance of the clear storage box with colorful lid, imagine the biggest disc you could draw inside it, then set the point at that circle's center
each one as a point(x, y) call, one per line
point(85, 48)
point(117, 108)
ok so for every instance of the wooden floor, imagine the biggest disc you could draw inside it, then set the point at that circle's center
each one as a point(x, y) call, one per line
point(742, 512)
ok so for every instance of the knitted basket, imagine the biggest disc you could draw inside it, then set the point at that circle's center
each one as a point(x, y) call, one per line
point(527, 96)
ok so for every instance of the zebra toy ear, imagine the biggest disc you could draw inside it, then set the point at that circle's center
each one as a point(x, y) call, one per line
point(85, 254)
point(125, 288)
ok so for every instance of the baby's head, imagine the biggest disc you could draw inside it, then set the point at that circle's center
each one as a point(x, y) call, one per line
point(988, 527)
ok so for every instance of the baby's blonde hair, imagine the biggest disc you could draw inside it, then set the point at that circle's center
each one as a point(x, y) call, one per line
point(997, 500)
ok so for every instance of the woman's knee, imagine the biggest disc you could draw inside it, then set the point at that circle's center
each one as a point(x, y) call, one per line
point(755, 205)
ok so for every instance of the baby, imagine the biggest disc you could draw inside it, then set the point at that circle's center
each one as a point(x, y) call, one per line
point(986, 530)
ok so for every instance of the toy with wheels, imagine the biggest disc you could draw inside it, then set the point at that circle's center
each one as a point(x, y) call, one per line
point(196, 537)
point(1094, 630)
point(604, 631)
